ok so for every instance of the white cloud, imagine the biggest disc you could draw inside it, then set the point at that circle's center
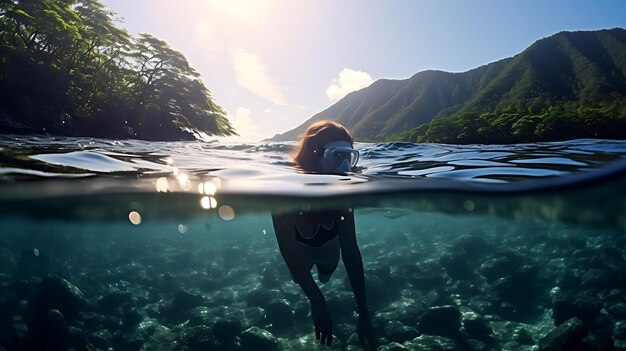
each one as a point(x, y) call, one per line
point(349, 80)
point(252, 75)
point(244, 125)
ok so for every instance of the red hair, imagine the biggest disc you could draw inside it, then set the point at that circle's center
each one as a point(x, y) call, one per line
point(318, 134)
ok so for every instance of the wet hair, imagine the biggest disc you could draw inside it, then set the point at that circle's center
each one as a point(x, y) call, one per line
point(318, 134)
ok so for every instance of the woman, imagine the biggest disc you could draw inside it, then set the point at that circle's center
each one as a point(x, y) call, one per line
point(318, 238)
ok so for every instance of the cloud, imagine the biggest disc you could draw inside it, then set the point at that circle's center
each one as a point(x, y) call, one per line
point(252, 75)
point(244, 125)
point(349, 80)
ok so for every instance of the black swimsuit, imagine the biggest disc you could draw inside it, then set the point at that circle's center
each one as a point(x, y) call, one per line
point(322, 235)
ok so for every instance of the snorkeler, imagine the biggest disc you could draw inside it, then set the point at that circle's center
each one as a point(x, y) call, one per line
point(318, 238)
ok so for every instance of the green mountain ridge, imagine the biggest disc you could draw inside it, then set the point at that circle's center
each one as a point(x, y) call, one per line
point(570, 75)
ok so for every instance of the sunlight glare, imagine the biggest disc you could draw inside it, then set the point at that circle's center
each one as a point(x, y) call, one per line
point(241, 10)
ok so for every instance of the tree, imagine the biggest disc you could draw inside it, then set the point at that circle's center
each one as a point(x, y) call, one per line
point(66, 68)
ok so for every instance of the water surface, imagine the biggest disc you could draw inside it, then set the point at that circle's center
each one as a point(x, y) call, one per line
point(172, 245)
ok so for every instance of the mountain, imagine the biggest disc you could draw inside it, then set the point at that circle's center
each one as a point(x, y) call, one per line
point(579, 73)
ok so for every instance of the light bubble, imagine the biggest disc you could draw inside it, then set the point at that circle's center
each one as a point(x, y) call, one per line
point(134, 217)
point(182, 228)
point(469, 205)
point(350, 209)
point(162, 185)
point(342, 218)
point(210, 188)
point(208, 202)
point(226, 212)
point(36, 252)
point(184, 182)
point(264, 232)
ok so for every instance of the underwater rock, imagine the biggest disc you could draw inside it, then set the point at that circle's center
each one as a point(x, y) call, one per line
point(93, 320)
point(279, 314)
point(200, 315)
point(226, 329)
point(584, 308)
point(431, 343)
point(578, 242)
point(59, 294)
point(474, 345)
point(609, 257)
point(342, 304)
point(49, 331)
point(101, 339)
point(501, 265)
point(523, 337)
point(261, 297)
point(399, 332)
point(426, 279)
point(198, 337)
point(257, 339)
point(248, 316)
point(473, 246)
point(269, 279)
point(186, 301)
point(618, 310)
point(481, 306)
point(77, 339)
point(517, 288)
point(378, 291)
point(14, 334)
point(441, 321)
point(596, 278)
point(301, 311)
point(619, 330)
point(180, 306)
point(132, 317)
point(148, 335)
point(600, 335)
point(457, 265)
point(466, 288)
point(393, 346)
point(158, 337)
point(404, 310)
point(567, 336)
point(476, 326)
point(114, 300)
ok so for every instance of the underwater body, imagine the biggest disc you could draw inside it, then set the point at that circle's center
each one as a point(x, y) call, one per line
point(134, 245)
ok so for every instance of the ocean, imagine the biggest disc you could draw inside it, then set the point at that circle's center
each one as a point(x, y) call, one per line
point(135, 245)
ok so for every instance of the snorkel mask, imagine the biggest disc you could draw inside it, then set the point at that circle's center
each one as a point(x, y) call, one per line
point(338, 157)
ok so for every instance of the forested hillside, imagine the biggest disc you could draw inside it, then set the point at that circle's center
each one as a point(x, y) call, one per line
point(66, 68)
point(569, 85)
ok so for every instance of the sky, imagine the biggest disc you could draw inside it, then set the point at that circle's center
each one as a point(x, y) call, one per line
point(272, 64)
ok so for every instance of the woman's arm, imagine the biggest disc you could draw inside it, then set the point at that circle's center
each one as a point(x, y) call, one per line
point(354, 267)
point(352, 259)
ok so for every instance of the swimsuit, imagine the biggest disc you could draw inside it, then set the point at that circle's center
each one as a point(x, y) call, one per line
point(322, 248)
point(323, 232)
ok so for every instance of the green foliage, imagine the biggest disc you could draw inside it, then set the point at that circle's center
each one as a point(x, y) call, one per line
point(66, 68)
point(563, 121)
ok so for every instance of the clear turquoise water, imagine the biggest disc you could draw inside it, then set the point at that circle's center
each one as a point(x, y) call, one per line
point(152, 219)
